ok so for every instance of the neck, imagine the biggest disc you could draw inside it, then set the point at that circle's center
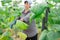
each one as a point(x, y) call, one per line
point(27, 9)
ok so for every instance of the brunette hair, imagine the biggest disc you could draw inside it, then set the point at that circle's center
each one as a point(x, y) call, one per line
point(26, 2)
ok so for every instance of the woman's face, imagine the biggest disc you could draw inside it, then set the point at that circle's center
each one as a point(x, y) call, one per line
point(27, 5)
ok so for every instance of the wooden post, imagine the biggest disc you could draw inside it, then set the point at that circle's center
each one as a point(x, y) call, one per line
point(45, 19)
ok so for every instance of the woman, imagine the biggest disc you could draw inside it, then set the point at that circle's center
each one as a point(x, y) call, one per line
point(31, 32)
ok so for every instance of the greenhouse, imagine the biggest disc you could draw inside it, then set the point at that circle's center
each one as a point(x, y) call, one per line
point(29, 19)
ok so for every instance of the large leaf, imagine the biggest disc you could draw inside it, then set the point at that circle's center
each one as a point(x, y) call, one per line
point(51, 35)
point(1, 31)
point(55, 27)
point(38, 10)
point(6, 35)
point(54, 16)
point(57, 1)
point(21, 25)
point(43, 35)
point(5, 1)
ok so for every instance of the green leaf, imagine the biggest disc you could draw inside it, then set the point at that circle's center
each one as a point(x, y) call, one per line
point(51, 35)
point(7, 33)
point(43, 35)
point(57, 1)
point(5, 1)
point(55, 27)
point(50, 5)
point(1, 31)
point(21, 25)
point(38, 10)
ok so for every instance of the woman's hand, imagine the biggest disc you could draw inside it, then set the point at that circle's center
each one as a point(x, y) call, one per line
point(21, 19)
